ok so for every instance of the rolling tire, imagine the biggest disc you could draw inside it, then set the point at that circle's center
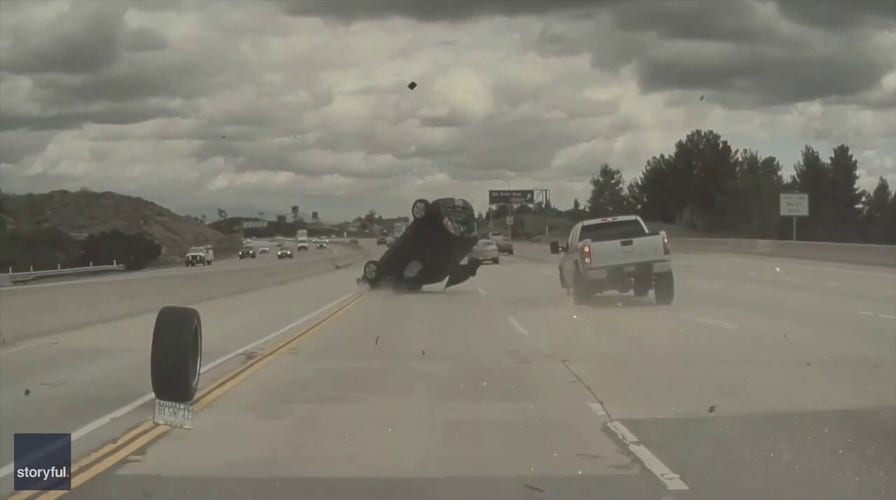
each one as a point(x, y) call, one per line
point(420, 209)
point(664, 288)
point(372, 271)
point(176, 358)
point(580, 293)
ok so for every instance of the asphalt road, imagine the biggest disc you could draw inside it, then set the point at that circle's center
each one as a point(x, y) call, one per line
point(766, 378)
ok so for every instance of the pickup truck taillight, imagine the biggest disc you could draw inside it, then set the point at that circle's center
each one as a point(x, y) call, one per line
point(666, 249)
point(586, 254)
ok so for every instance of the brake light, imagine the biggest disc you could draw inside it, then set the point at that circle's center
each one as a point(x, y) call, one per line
point(586, 254)
point(666, 249)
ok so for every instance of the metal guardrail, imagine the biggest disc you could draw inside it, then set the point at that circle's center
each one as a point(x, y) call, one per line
point(30, 275)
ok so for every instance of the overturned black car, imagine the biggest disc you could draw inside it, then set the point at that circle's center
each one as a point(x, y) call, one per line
point(430, 249)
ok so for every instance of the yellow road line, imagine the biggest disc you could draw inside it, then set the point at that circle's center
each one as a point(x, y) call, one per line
point(148, 431)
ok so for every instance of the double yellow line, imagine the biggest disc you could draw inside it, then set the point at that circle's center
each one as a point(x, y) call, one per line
point(148, 431)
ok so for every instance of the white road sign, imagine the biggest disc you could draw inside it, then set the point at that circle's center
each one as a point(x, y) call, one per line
point(509, 220)
point(794, 205)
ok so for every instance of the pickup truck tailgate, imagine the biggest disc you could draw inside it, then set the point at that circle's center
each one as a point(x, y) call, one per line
point(627, 251)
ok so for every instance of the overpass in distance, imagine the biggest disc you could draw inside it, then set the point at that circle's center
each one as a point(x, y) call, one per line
point(771, 375)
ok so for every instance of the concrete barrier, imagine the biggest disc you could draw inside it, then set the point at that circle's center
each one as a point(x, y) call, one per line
point(876, 255)
point(30, 310)
point(873, 255)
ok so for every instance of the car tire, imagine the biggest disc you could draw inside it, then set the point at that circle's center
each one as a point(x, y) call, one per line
point(510, 252)
point(496, 260)
point(176, 357)
point(580, 294)
point(420, 209)
point(372, 271)
point(664, 288)
point(641, 288)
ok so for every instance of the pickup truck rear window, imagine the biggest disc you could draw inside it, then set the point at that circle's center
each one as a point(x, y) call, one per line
point(609, 231)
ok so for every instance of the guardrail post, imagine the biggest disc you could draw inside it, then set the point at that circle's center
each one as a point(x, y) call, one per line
point(10, 269)
point(58, 266)
point(91, 263)
point(114, 262)
point(32, 268)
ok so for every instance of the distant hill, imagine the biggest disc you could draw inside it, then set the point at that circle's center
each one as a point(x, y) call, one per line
point(86, 212)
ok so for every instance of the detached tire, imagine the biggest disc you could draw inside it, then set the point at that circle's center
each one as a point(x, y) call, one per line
point(176, 357)
point(664, 288)
point(419, 209)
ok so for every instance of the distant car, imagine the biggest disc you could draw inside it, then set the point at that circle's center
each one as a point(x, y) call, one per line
point(431, 249)
point(247, 253)
point(264, 250)
point(485, 250)
point(382, 240)
point(354, 241)
point(284, 253)
point(321, 244)
point(504, 243)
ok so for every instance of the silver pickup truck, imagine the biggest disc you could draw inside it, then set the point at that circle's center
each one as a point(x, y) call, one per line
point(615, 253)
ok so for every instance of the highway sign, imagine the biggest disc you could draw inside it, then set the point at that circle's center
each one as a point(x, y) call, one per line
point(496, 196)
point(794, 205)
point(509, 220)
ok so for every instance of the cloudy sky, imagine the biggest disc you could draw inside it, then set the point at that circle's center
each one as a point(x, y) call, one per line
point(260, 105)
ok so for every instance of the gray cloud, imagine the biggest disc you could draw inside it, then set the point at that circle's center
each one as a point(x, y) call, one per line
point(191, 103)
point(355, 10)
point(82, 39)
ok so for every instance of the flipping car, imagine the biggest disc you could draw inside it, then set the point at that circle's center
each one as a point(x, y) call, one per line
point(431, 249)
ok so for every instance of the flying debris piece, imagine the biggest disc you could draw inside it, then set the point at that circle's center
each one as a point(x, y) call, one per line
point(412, 85)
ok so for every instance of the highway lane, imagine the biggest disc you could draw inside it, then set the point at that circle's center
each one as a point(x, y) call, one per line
point(30, 311)
point(751, 385)
point(64, 381)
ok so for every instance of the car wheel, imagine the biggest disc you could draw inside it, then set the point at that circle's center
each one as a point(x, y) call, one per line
point(510, 252)
point(641, 287)
point(419, 209)
point(176, 357)
point(372, 271)
point(496, 260)
point(664, 288)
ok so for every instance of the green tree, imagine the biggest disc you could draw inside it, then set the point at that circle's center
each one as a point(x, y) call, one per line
point(813, 177)
point(875, 208)
point(704, 179)
point(755, 212)
point(607, 193)
point(653, 192)
point(846, 197)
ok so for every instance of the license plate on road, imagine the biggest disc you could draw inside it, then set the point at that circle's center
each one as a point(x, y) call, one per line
point(173, 414)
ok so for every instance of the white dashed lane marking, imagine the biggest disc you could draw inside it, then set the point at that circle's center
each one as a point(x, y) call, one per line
point(516, 324)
